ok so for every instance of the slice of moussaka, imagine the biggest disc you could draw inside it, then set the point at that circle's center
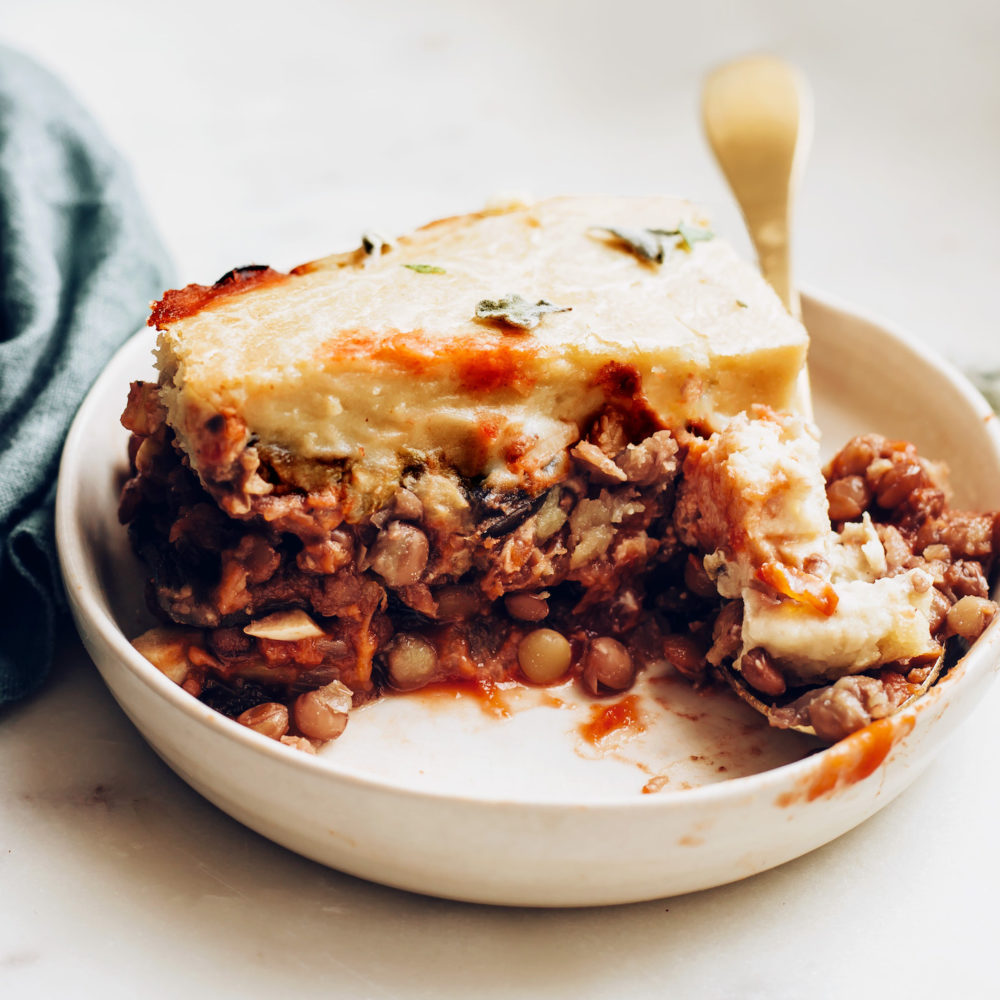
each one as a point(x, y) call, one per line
point(565, 439)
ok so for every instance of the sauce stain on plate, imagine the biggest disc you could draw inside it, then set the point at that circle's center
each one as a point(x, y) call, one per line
point(853, 759)
point(612, 725)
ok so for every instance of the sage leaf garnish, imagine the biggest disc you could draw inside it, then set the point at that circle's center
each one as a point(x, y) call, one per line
point(517, 311)
point(644, 243)
point(693, 234)
point(426, 268)
point(649, 244)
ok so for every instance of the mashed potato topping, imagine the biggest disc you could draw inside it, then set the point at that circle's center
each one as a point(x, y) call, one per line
point(875, 623)
point(817, 601)
point(368, 360)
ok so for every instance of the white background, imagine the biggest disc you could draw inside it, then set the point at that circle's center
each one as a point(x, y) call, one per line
point(275, 133)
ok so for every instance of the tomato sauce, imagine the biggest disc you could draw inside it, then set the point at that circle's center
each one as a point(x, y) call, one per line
point(622, 717)
point(487, 363)
point(179, 303)
point(853, 759)
point(488, 694)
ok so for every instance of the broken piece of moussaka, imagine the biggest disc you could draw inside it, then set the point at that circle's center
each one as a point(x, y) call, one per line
point(550, 440)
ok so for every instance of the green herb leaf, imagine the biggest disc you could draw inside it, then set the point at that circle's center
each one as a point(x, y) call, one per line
point(693, 234)
point(516, 311)
point(742, 304)
point(648, 244)
point(644, 243)
point(426, 268)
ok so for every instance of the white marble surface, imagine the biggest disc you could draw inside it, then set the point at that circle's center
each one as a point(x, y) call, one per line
point(278, 132)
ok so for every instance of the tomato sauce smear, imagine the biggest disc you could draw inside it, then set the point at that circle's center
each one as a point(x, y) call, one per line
point(620, 719)
point(486, 362)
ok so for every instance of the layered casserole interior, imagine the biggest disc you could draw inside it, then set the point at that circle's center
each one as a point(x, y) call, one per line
point(567, 439)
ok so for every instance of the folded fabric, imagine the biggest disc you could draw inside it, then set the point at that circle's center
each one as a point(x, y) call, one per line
point(79, 263)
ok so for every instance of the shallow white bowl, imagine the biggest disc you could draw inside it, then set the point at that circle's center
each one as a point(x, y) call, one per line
point(432, 793)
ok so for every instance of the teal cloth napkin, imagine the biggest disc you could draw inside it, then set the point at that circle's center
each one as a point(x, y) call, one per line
point(79, 263)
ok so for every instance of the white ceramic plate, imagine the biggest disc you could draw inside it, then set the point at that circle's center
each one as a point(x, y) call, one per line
point(512, 802)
